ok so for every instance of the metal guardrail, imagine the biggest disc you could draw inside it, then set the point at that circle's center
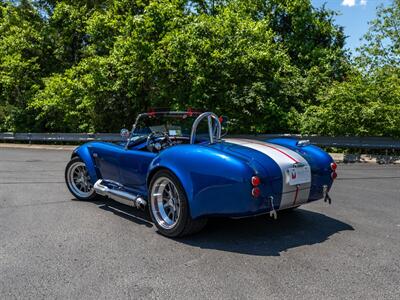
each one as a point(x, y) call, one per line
point(59, 137)
point(338, 142)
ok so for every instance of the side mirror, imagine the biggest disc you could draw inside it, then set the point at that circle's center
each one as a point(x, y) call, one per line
point(125, 134)
point(224, 124)
point(223, 120)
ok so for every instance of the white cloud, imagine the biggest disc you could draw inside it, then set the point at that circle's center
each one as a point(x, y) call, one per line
point(349, 3)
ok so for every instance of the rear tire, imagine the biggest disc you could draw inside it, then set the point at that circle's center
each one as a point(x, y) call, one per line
point(169, 208)
point(78, 180)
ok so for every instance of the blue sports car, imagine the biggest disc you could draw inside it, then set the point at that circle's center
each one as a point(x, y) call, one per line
point(177, 165)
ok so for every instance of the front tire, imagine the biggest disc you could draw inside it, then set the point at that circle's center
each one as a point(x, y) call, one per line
point(78, 180)
point(168, 206)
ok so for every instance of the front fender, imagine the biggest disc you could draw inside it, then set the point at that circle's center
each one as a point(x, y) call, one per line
point(214, 182)
point(83, 152)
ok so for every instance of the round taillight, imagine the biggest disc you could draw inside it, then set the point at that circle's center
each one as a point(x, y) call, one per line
point(333, 166)
point(333, 175)
point(255, 192)
point(255, 180)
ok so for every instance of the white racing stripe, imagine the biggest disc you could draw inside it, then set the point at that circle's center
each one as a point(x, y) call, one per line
point(285, 158)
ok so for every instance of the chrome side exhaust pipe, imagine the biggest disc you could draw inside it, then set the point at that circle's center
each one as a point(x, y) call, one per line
point(119, 196)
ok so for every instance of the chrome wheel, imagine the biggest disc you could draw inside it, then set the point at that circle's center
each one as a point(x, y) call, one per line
point(78, 180)
point(165, 202)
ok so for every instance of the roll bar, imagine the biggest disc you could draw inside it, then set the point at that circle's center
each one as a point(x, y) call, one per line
point(210, 116)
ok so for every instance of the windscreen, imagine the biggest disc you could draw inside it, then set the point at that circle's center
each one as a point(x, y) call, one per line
point(175, 125)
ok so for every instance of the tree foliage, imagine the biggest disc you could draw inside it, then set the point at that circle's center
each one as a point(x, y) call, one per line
point(368, 101)
point(363, 105)
point(382, 42)
point(271, 66)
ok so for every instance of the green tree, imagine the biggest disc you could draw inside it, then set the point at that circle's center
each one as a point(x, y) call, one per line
point(368, 102)
point(382, 41)
point(21, 57)
point(102, 62)
point(364, 105)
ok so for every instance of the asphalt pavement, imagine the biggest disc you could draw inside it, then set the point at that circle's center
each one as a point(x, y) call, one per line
point(52, 246)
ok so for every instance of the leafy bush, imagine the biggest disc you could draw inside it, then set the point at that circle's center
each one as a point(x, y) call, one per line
point(362, 106)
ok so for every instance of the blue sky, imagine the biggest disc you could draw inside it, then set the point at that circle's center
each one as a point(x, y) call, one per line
point(354, 16)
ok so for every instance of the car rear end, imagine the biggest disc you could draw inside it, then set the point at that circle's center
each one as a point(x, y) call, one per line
point(285, 174)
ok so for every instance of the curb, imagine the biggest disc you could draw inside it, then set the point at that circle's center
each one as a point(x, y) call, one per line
point(38, 147)
point(365, 158)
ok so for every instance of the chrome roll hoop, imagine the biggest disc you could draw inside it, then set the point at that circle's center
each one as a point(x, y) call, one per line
point(214, 132)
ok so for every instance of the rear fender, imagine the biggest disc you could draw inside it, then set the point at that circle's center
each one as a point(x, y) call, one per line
point(215, 183)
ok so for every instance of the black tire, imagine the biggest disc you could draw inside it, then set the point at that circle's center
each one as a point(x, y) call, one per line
point(91, 195)
point(185, 225)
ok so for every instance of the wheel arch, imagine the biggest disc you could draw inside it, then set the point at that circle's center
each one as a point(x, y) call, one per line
point(153, 172)
point(84, 154)
point(186, 185)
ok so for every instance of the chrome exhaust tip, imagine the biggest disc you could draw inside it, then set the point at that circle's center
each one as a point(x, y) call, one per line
point(140, 203)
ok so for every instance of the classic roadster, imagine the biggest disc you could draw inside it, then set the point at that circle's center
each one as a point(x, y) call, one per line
point(177, 165)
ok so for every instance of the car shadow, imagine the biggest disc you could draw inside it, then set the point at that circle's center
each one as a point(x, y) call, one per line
point(264, 236)
point(129, 213)
point(260, 235)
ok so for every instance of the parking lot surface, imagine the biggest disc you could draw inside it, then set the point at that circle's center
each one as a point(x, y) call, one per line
point(52, 246)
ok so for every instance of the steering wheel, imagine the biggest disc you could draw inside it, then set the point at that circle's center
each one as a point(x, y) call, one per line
point(157, 140)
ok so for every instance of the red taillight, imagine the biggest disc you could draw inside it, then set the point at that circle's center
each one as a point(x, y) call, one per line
point(333, 166)
point(255, 192)
point(333, 175)
point(255, 180)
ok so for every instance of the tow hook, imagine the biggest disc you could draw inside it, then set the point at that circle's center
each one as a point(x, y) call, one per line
point(327, 198)
point(273, 213)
